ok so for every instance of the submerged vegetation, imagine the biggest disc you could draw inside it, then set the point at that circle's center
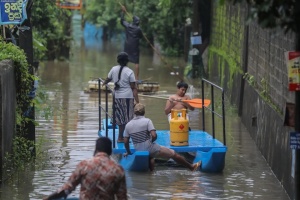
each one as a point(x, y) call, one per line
point(22, 158)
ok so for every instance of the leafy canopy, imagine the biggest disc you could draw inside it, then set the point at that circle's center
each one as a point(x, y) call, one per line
point(284, 14)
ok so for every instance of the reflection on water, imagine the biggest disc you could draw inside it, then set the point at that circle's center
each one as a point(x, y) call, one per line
point(72, 131)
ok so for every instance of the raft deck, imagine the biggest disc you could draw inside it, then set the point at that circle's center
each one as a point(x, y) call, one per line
point(198, 141)
point(207, 149)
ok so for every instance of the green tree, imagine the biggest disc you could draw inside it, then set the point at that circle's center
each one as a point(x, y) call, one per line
point(272, 14)
point(48, 31)
point(164, 20)
point(105, 14)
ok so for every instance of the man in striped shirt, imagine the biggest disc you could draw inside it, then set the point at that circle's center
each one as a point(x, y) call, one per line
point(143, 135)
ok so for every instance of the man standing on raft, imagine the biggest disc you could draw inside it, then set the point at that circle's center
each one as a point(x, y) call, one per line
point(132, 42)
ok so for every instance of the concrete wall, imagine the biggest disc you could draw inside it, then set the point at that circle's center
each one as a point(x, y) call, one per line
point(266, 62)
point(271, 137)
point(237, 49)
point(8, 107)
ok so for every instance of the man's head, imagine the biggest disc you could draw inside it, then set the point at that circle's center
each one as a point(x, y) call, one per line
point(139, 109)
point(122, 58)
point(182, 88)
point(103, 144)
point(182, 84)
point(136, 20)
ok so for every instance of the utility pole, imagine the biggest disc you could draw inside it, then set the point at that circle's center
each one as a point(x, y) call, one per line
point(26, 43)
point(195, 33)
point(187, 38)
point(200, 16)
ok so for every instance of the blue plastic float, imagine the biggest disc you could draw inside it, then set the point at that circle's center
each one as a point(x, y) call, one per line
point(203, 145)
point(207, 149)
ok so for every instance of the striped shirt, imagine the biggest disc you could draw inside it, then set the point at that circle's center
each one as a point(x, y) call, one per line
point(138, 129)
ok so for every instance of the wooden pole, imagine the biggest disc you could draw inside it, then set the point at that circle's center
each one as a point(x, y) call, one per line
point(195, 32)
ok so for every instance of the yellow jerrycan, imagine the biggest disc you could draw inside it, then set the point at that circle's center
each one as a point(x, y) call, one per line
point(179, 128)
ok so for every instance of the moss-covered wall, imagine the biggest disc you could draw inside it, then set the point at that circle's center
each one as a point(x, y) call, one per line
point(226, 44)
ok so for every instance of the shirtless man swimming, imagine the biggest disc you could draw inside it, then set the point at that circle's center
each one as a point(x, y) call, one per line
point(174, 101)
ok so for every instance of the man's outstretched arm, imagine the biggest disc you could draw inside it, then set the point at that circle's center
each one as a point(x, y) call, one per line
point(123, 22)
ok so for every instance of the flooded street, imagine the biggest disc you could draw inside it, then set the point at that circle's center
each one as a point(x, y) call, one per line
point(69, 135)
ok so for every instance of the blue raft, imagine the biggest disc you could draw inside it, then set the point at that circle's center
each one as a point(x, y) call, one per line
point(202, 145)
point(206, 148)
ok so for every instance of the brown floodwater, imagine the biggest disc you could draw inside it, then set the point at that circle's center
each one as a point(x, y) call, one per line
point(69, 134)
